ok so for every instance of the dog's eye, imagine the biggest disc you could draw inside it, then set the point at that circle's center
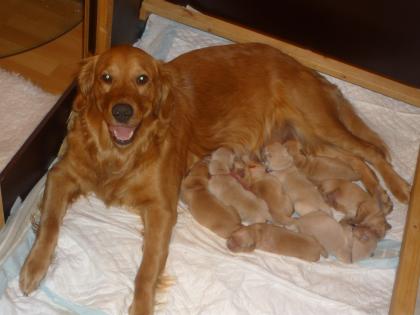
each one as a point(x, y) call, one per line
point(142, 79)
point(106, 77)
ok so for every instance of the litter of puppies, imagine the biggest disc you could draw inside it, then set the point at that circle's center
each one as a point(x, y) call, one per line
point(287, 202)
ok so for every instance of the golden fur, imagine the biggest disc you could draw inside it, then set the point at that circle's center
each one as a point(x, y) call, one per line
point(277, 240)
point(334, 237)
point(232, 96)
point(359, 207)
point(230, 192)
point(204, 206)
point(319, 168)
point(304, 196)
point(269, 188)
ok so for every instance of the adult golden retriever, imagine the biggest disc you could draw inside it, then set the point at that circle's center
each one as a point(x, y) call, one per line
point(137, 121)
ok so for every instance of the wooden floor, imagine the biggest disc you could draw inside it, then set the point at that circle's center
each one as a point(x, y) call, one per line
point(52, 66)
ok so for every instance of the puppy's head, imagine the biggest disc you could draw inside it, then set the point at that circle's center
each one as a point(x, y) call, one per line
point(243, 240)
point(364, 243)
point(221, 161)
point(276, 157)
point(126, 87)
point(370, 215)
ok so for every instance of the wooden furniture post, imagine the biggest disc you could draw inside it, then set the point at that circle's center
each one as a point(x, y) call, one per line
point(407, 278)
point(97, 26)
point(104, 25)
point(1, 211)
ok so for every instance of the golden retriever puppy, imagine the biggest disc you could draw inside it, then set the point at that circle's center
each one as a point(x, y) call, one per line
point(277, 240)
point(204, 207)
point(370, 215)
point(343, 195)
point(359, 207)
point(230, 192)
point(303, 194)
point(334, 237)
point(367, 176)
point(319, 168)
point(269, 188)
point(137, 121)
point(364, 242)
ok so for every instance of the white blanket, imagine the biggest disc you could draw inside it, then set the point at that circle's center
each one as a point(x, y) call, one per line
point(99, 249)
point(22, 107)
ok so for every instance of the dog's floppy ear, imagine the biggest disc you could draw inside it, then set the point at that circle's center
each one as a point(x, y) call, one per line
point(79, 103)
point(85, 80)
point(161, 108)
point(87, 74)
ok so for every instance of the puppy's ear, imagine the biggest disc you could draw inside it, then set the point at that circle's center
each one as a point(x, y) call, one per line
point(162, 107)
point(87, 75)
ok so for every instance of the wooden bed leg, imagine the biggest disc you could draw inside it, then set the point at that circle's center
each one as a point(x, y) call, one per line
point(407, 278)
point(1, 210)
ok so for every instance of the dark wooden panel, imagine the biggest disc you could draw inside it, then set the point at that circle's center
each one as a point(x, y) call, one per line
point(32, 160)
point(126, 26)
point(381, 36)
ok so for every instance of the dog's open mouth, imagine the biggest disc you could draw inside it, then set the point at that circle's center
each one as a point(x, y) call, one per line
point(122, 134)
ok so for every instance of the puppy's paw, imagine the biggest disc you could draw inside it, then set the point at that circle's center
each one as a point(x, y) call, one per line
point(32, 272)
point(384, 201)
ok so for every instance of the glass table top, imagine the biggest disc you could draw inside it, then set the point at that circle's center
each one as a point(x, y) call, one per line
point(26, 24)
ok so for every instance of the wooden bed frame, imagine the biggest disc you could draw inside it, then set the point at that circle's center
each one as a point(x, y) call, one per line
point(27, 166)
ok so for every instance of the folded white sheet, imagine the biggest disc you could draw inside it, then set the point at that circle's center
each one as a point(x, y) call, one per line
point(99, 249)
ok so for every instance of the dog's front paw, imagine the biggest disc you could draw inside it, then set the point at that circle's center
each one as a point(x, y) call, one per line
point(32, 272)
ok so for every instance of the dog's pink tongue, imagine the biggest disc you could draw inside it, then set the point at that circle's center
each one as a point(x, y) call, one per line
point(122, 133)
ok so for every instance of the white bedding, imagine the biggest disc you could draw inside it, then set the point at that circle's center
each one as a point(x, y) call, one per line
point(22, 107)
point(99, 249)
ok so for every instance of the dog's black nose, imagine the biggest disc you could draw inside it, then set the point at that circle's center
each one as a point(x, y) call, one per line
point(122, 112)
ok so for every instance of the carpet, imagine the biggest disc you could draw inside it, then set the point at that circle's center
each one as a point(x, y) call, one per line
point(22, 107)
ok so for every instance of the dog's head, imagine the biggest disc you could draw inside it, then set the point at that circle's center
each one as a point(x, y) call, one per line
point(126, 87)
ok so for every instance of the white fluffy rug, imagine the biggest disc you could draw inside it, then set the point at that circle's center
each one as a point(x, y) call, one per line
point(22, 107)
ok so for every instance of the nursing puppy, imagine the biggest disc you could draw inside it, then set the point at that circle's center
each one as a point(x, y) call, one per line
point(204, 207)
point(319, 168)
point(137, 121)
point(359, 207)
point(334, 237)
point(364, 242)
point(277, 240)
point(269, 188)
point(343, 195)
point(304, 195)
point(230, 192)
point(367, 176)
point(370, 215)
point(348, 243)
